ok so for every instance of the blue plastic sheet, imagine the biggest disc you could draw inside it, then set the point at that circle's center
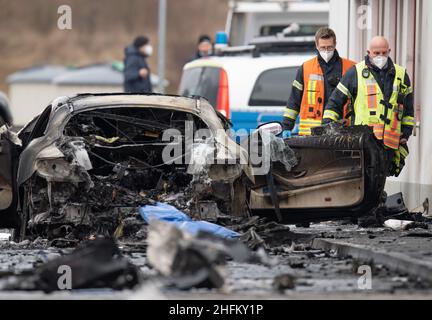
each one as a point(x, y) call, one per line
point(170, 214)
point(162, 211)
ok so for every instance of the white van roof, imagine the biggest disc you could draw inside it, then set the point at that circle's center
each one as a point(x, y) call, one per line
point(243, 71)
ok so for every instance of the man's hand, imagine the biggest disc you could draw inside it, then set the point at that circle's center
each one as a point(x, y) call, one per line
point(143, 73)
point(403, 141)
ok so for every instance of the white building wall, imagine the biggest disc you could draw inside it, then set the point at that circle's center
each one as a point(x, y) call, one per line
point(28, 100)
point(339, 21)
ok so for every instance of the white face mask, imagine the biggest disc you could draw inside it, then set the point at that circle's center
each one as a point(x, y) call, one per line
point(326, 55)
point(148, 50)
point(380, 61)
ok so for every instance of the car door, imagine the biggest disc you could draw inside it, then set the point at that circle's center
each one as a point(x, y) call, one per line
point(11, 146)
point(336, 174)
point(9, 153)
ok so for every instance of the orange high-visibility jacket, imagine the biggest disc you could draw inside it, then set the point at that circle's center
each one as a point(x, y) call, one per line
point(312, 105)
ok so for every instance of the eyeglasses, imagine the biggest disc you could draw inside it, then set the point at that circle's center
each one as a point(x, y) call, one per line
point(329, 48)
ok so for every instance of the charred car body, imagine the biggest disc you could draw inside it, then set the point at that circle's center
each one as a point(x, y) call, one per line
point(87, 162)
point(91, 160)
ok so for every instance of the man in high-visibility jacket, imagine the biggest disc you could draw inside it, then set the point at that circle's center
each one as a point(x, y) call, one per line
point(315, 81)
point(382, 98)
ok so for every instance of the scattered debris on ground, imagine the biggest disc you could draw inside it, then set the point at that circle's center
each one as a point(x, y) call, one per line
point(395, 215)
point(203, 264)
point(398, 224)
point(283, 282)
point(271, 235)
point(194, 260)
point(5, 235)
point(95, 264)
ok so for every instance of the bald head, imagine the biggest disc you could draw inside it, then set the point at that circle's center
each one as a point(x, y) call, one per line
point(378, 46)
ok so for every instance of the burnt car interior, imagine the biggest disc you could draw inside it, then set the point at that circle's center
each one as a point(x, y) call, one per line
point(128, 136)
point(120, 166)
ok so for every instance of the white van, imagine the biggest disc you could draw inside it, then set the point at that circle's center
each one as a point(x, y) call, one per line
point(249, 85)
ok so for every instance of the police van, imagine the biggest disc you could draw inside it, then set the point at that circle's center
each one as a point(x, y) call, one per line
point(250, 85)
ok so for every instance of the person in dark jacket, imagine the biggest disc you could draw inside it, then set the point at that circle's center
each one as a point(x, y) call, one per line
point(204, 48)
point(136, 71)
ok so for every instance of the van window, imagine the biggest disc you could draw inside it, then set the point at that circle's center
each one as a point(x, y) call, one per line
point(202, 82)
point(273, 87)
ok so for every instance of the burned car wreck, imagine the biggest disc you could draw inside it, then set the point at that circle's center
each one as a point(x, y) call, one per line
point(90, 161)
point(86, 164)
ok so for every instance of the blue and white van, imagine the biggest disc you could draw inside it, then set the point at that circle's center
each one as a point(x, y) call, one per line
point(248, 89)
